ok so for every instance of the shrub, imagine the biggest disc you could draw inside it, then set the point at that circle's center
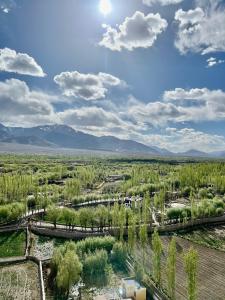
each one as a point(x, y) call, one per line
point(95, 264)
point(95, 243)
point(119, 255)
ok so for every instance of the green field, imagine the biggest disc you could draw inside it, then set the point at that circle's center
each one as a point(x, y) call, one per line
point(12, 244)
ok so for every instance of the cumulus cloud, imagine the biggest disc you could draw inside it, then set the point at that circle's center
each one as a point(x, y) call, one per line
point(202, 29)
point(86, 86)
point(209, 104)
point(21, 63)
point(180, 140)
point(161, 2)
point(138, 31)
point(89, 117)
point(212, 61)
point(19, 104)
point(155, 113)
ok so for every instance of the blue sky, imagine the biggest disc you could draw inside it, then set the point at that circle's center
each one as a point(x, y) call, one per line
point(149, 70)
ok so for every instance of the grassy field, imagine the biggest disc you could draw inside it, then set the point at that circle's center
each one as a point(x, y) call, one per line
point(19, 282)
point(12, 244)
point(213, 237)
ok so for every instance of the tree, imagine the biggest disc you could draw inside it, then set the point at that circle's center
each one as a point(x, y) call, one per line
point(53, 214)
point(101, 214)
point(157, 253)
point(122, 221)
point(171, 268)
point(143, 236)
point(84, 214)
point(119, 255)
point(69, 271)
point(190, 264)
point(131, 231)
point(95, 264)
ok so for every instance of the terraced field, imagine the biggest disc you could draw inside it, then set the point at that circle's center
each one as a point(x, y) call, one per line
point(211, 270)
point(19, 282)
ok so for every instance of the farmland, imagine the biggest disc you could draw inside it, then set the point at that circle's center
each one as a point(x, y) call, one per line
point(12, 244)
point(20, 282)
point(211, 269)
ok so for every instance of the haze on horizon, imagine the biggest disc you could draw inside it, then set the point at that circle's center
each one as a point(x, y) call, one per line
point(146, 70)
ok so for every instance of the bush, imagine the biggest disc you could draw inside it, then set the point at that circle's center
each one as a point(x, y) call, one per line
point(219, 211)
point(119, 255)
point(95, 264)
point(11, 212)
point(186, 191)
point(95, 243)
point(173, 213)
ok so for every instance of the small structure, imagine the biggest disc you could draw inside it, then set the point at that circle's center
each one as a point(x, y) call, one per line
point(131, 289)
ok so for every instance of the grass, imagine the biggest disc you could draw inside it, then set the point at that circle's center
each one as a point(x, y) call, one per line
point(208, 237)
point(12, 244)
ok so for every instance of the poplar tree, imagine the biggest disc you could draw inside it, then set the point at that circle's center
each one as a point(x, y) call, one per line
point(171, 268)
point(131, 231)
point(157, 253)
point(143, 236)
point(190, 264)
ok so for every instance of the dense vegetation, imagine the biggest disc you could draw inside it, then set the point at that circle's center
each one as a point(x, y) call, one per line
point(143, 194)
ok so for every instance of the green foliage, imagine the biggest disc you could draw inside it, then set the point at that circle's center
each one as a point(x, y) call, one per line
point(119, 256)
point(171, 268)
point(156, 260)
point(72, 189)
point(12, 244)
point(131, 231)
point(95, 243)
point(190, 264)
point(95, 264)
point(53, 214)
point(66, 267)
point(15, 187)
point(11, 212)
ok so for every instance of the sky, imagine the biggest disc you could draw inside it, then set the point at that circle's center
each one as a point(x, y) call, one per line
point(146, 70)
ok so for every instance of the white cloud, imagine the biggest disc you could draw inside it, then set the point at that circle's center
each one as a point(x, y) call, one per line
point(212, 61)
point(20, 104)
point(155, 113)
point(202, 29)
point(89, 117)
point(86, 86)
point(138, 31)
point(21, 63)
point(180, 140)
point(198, 104)
point(161, 2)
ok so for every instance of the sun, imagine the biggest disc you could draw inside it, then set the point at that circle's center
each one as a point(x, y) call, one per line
point(105, 7)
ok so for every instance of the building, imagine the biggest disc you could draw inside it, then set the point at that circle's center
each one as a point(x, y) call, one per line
point(131, 289)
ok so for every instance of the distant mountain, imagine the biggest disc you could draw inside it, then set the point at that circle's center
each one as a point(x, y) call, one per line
point(193, 153)
point(62, 136)
point(218, 154)
point(27, 140)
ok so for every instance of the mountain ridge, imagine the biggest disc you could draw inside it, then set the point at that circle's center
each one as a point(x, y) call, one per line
point(63, 136)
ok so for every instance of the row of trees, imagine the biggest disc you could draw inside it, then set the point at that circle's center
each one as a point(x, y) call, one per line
point(190, 266)
point(14, 188)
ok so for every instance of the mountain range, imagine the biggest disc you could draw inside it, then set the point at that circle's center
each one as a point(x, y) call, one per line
point(63, 136)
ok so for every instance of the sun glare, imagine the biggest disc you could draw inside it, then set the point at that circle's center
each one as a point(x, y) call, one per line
point(105, 7)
